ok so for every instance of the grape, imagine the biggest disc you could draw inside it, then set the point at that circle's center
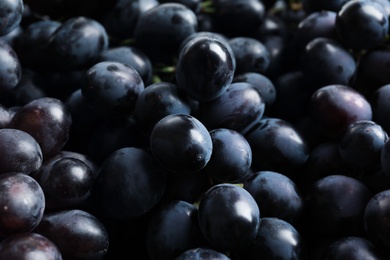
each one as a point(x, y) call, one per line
point(228, 216)
point(204, 69)
point(335, 205)
point(10, 67)
point(46, 119)
point(19, 152)
point(77, 42)
point(172, 229)
point(380, 106)
point(161, 29)
point(311, 6)
point(352, 248)
point(181, 144)
point(362, 24)
point(10, 15)
point(239, 108)
point(276, 239)
point(231, 158)
point(22, 203)
point(77, 234)
point(29, 246)
point(334, 107)
point(276, 195)
point(129, 184)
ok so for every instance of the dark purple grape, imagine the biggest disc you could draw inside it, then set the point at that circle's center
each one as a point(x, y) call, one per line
point(67, 183)
point(32, 44)
point(46, 119)
point(112, 88)
point(229, 217)
point(239, 108)
point(335, 205)
point(29, 246)
point(380, 105)
point(352, 247)
point(326, 62)
point(277, 146)
point(238, 17)
point(77, 43)
point(172, 229)
point(131, 56)
point(121, 20)
point(19, 152)
point(251, 55)
point(194, 5)
point(231, 158)
point(376, 221)
point(361, 144)
point(276, 239)
point(311, 6)
point(10, 15)
point(181, 144)
point(158, 100)
point(334, 107)
point(202, 253)
point(262, 83)
point(77, 234)
point(205, 68)
point(129, 184)
point(276, 195)
point(362, 24)
point(161, 29)
point(10, 67)
point(22, 203)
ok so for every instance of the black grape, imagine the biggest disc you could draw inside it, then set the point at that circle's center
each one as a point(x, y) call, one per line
point(10, 67)
point(205, 68)
point(22, 203)
point(381, 107)
point(181, 143)
point(19, 152)
point(228, 216)
point(202, 253)
point(10, 15)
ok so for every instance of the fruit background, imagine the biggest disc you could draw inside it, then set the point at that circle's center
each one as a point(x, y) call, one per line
point(190, 129)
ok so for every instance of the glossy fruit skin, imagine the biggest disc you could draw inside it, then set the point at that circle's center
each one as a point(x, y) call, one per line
point(231, 158)
point(10, 67)
point(376, 223)
point(112, 88)
point(361, 24)
point(202, 253)
point(250, 54)
point(172, 229)
point(276, 239)
point(330, 215)
point(10, 15)
point(277, 146)
point(311, 6)
point(46, 119)
point(276, 195)
point(228, 216)
point(181, 144)
point(361, 144)
point(27, 245)
point(161, 29)
point(129, 184)
point(17, 145)
point(334, 107)
point(205, 68)
point(158, 100)
point(77, 42)
point(131, 56)
point(352, 247)
point(77, 234)
point(325, 61)
point(239, 108)
point(22, 203)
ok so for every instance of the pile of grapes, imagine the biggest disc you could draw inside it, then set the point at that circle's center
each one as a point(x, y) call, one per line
point(190, 129)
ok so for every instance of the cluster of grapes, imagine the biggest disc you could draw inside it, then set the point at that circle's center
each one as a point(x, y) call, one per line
point(194, 129)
